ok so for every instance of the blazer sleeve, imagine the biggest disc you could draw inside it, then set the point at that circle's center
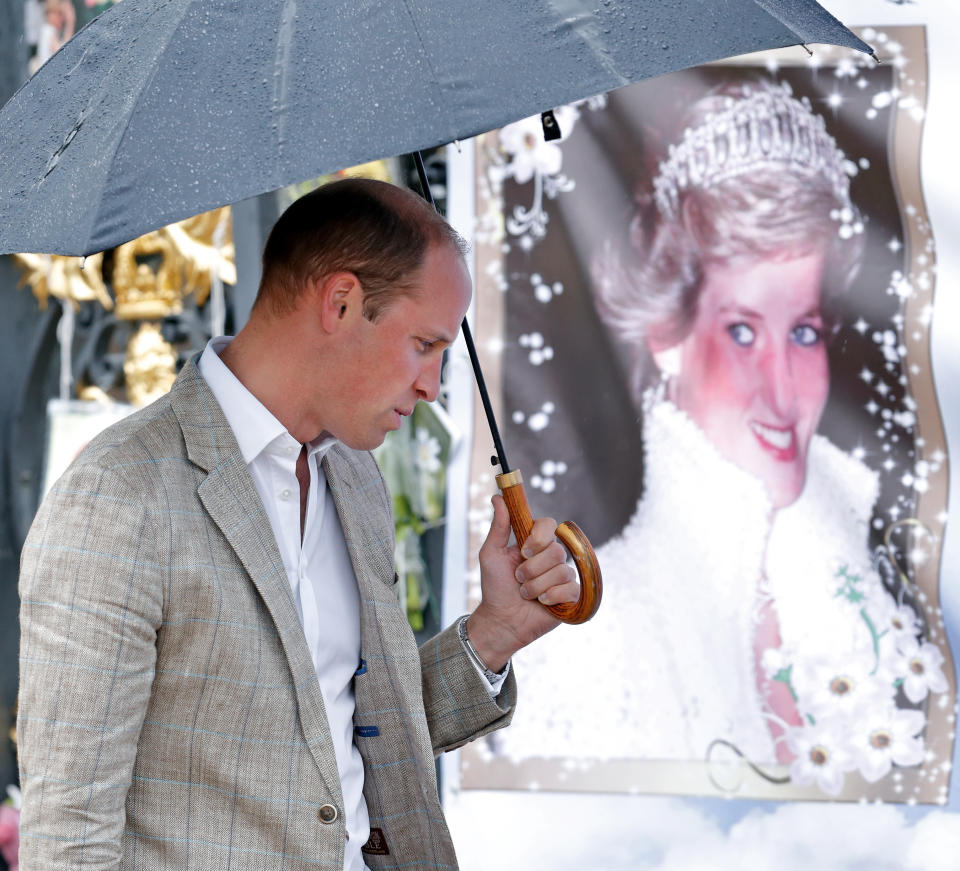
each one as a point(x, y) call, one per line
point(91, 590)
point(455, 698)
point(456, 701)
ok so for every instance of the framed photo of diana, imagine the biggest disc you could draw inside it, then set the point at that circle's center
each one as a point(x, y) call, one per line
point(705, 318)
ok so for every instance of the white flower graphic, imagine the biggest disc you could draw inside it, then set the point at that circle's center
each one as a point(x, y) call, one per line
point(529, 152)
point(920, 666)
point(426, 451)
point(523, 141)
point(829, 688)
point(821, 755)
point(886, 737)
point(902, 621)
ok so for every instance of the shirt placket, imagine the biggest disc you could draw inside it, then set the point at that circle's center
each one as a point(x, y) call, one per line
point(283, 478)
point(312, 526)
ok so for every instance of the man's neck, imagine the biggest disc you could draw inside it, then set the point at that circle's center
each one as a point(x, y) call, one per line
point(262, 359)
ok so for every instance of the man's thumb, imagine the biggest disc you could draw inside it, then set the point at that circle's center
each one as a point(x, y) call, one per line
point(499, 535)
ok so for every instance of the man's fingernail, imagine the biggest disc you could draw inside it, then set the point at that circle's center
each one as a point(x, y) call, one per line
point(519, 576)
point(524, 592)
point(542, 598)
point(527, 552)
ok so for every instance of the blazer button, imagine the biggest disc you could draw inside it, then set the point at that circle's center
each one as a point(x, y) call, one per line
point(327, 813)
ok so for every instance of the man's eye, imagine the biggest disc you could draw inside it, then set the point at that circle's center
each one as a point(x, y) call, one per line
point(742, 334)
point(424, 345)
point(806, 335)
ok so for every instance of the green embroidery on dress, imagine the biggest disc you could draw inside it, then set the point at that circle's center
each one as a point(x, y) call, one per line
point(848, 590)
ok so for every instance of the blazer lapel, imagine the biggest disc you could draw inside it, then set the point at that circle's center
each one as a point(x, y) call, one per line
point(231, 499)
point(357, 490)
point(358, 497)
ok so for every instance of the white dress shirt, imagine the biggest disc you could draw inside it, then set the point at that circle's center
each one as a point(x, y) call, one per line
point(318, 568)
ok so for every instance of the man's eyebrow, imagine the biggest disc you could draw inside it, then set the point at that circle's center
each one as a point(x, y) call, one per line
point(435, 337)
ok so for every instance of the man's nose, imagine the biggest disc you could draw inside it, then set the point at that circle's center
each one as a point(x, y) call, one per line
point(427, 384)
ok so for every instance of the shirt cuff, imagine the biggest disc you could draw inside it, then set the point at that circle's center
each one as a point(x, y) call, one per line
point(493, 680)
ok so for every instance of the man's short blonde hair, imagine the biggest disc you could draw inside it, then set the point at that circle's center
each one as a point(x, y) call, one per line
point(377, 231)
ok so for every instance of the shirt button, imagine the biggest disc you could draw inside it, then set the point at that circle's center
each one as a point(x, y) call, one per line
point(327, 813)
point(285, 493)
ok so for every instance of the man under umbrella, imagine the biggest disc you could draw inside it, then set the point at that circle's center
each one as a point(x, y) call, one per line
point(217, 673)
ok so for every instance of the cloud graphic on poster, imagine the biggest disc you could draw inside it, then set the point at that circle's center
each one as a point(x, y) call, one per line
point(616, 833)
point(842, 837)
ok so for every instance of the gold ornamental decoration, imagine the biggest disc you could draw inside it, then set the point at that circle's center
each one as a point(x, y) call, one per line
point(152, 275)
point(151, 278)
point(145, 279)
point(150, 365)
point(63, 278)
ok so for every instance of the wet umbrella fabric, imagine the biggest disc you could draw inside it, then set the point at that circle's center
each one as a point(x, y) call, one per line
point(162, 109)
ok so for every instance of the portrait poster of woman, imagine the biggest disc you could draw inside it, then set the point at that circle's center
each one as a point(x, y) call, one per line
point(705, 317)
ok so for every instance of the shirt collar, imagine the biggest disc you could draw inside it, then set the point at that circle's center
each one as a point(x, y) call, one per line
point(254, 427)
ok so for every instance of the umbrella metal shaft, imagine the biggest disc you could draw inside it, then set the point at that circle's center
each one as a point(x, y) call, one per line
point(501, 458)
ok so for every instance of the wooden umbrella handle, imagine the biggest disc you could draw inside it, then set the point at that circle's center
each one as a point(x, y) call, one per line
point(571, 537)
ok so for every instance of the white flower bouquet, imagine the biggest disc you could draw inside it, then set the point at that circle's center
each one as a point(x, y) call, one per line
point(860, 703)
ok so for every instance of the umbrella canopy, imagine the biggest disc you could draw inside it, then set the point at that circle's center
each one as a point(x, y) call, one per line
point(162, 109)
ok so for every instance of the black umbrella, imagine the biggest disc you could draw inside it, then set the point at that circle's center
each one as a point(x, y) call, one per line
point(162, 109)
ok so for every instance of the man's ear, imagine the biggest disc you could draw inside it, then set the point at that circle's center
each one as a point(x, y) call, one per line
point(339, 299)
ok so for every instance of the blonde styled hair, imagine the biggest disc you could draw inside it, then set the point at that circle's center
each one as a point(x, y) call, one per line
point(648, 286)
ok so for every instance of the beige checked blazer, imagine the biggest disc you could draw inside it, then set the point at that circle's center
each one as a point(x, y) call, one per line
point(170, 716)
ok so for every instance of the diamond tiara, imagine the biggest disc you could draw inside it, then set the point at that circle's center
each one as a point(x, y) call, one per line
point(769, 128)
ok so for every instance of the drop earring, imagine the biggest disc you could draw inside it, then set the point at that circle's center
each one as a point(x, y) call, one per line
point(668, 363)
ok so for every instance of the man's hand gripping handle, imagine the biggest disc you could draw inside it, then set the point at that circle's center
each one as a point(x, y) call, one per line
point(571, 537)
